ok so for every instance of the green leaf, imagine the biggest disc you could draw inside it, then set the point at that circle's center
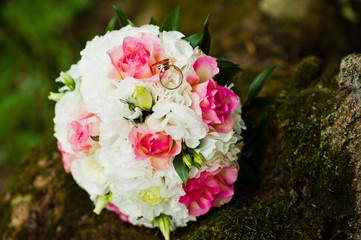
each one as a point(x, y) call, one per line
point(171, 22)
point(226, 72)
point(247, 173)
point(122, 18)
point(259, 82)
point(195, 39)
point(202, 40)
point(260, 102)
point(206, 38)
point(181, 168)
point(152, 21)
point(111, 24)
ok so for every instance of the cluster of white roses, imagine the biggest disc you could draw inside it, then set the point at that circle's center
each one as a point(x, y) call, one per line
point(120, 130)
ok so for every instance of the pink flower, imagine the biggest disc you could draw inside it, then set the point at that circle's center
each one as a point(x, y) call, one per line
point(210, 189)
point(66, 157)
point(135, 57)
point(157, 147)
point(81, 131)
point(215, 102)
point(205, 68)
point(113, 208)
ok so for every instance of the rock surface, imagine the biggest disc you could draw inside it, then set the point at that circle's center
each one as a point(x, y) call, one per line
point(344, 124)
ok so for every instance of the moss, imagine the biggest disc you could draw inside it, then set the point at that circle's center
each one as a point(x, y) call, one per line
point(308, 196)
point(321, 176)
point(305, 72)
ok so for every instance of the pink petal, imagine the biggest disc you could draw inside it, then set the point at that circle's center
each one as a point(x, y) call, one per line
point(220, 201)
point(195, 210)
point(206, 68)
point(159, 163)
point(192, 79)
point(229, 174)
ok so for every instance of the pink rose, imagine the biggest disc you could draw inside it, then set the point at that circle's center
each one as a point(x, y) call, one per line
point(157, 147)
point(113, 208)
point(215, 102)
point(135, 57)
point(210, 189)
point(66, 158)
point(81, 131)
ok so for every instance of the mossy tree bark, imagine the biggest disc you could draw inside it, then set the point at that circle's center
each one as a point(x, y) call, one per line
point(306, 164)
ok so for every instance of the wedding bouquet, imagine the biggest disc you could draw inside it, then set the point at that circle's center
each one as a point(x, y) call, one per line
point(144, 127)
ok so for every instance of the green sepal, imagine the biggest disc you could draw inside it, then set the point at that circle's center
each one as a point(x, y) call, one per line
point(68, 80)
point(181, 169)
point(171, 22)
point(102, 202)
point(111, 24)
point(227, 70)
point(259, 82)
point(122, 18)
point(152, 21)
point(55, 96)
point(164, 226)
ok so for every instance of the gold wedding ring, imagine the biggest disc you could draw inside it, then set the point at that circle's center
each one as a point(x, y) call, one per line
point(165, 70)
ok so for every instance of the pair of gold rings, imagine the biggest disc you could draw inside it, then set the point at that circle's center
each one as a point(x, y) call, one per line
point(170, 76)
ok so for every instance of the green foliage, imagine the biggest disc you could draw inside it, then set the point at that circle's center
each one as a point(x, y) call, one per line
point(152, 21)
point(122, 18)
point(171, 22)
point(33, 51)
point(202, 40)
point(181, 168)
point(111, 24)
point(227, 70)
point(258, 83)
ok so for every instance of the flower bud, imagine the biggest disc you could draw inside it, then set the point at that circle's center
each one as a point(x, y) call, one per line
point(143, 98)
point(187, 160)
point(55, 96)
point(198, 160)
point(68, 80)
point(101, 202)
point(164, 226)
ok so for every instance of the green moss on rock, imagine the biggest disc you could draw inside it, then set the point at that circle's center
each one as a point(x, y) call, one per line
point(305, 72)
point(309, 195)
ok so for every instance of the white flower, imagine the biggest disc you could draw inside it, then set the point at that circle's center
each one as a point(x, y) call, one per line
point(89, 175)
point(173, 45)
point(178, 121)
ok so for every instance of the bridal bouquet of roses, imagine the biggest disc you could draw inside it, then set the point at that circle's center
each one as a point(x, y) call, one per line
point(144, 127)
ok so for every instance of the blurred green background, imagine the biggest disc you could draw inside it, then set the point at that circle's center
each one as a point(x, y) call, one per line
point(38, 39)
